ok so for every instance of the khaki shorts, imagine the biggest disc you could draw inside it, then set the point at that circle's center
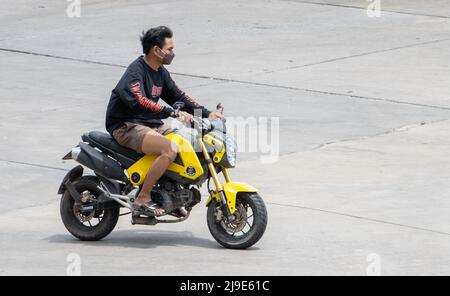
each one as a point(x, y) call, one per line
point(131, 135)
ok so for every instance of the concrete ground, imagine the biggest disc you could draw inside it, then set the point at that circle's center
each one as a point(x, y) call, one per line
point(364, 108)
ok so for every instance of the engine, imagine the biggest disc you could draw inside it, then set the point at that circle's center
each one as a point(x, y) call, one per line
point(172, 196)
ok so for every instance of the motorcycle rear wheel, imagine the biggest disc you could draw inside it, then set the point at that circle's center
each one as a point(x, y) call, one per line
point(248, 228)
point(81, 225)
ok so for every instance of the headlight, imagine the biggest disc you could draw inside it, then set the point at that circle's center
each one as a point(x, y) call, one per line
point(231, 149)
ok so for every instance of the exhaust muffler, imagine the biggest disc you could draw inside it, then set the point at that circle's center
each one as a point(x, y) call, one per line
point(98, 162)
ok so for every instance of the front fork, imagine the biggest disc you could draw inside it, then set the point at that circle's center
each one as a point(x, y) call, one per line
point(215, 177)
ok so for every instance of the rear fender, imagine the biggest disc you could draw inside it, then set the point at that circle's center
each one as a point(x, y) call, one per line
point(71, 176)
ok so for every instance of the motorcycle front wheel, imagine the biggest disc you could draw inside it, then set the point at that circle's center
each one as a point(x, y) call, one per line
point(248, 226)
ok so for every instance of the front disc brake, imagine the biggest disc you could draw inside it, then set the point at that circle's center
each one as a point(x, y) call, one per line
point(239, 223)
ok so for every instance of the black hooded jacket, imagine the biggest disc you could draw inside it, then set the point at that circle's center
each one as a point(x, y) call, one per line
point(135, 98)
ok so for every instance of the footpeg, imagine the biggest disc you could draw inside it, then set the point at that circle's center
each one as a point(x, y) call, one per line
point(137, 220)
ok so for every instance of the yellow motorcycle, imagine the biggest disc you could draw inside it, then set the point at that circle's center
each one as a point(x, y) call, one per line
point(90, 204)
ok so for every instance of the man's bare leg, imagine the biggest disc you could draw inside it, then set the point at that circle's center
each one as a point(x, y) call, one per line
point(166, 150)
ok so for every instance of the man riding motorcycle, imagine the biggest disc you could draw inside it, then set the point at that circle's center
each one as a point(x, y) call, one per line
point(134, 116)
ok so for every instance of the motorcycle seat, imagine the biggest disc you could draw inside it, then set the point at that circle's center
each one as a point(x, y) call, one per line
point(109, 146)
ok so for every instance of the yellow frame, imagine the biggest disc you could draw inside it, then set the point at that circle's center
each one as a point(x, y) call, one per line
point(190, 159)
point(187, 155)
point(215, 143)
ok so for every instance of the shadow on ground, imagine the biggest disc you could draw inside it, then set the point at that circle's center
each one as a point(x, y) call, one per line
point(142, 239)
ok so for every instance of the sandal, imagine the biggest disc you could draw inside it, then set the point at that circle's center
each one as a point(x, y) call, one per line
point(149, 209)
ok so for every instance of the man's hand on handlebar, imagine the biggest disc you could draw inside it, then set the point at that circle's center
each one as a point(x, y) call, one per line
point(216, 114)
point(185, 117)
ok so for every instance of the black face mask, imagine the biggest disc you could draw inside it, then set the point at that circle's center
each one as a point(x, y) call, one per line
point(168, 57)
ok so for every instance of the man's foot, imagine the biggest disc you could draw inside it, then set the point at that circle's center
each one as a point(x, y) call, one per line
point(152, 209)
point(147, 205)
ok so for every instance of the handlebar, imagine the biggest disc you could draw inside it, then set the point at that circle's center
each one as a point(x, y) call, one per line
point(177, 107)
point(197, 121)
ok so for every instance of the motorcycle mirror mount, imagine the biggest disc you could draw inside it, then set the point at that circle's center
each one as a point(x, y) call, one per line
point(178, 105)
point(219, 108)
